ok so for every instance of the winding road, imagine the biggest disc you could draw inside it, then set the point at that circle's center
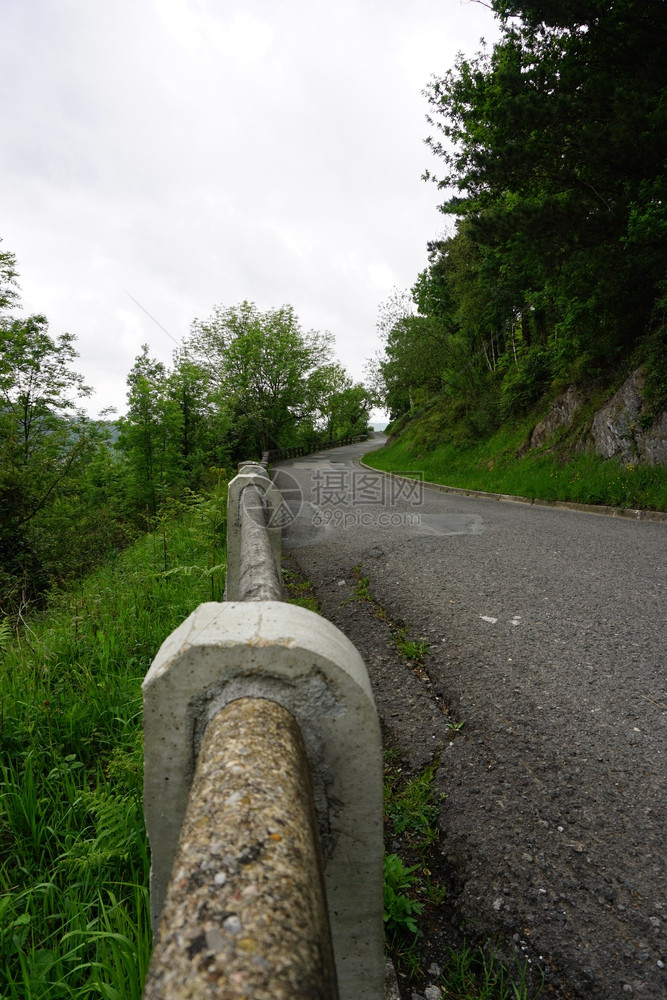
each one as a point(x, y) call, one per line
point(546, 639)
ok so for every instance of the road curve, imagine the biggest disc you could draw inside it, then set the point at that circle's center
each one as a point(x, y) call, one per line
point(546, 633)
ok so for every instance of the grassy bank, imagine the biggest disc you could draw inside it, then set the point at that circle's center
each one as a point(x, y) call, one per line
point(494, 466)
point(74, 918)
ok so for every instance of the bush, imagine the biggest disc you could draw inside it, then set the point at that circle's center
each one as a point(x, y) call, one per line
point(655, 370)
point(526, 381)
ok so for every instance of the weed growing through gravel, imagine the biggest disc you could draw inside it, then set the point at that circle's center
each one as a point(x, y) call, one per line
point(412, 649)
point(74, 913)
point(299, 591)
point(470, 975)
point(362, 590)
point(399, 910)
point(412, 805)
point(455, 727)
point(410, 813)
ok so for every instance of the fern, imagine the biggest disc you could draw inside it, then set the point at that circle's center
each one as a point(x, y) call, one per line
point(5, 633)
point(196, 571)
point(116, 840)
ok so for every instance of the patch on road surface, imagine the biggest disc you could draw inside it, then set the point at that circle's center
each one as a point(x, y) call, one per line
point(450, 524)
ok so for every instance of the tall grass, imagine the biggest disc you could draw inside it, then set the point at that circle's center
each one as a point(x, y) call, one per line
point(74, 862)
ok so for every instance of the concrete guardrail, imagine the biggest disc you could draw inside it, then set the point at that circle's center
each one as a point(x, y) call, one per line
point(262, 790)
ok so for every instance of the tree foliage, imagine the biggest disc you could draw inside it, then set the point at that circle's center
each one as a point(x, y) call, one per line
point(45, 442)
point(8, 280)
point(552, 150)
point(260, 364)
point(277, 383)
point(243, 382)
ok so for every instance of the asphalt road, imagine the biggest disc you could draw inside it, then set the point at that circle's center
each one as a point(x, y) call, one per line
point(546, 632)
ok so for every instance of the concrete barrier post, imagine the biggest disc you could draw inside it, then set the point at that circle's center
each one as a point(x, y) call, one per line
point(294, 658)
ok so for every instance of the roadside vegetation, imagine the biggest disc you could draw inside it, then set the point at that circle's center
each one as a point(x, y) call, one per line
point(416, 905)
point(74, 858)
point(549, 151)
point(496, 464)
point(298, 590)
point(75, 490)
point(111, 532)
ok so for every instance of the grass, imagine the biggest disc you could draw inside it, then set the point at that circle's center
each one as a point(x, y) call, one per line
point(362, 589)
point(299, 591)
point(74, 861)
point(411, 649)
point(494, 466)
point(470, 974)
point(412, 805)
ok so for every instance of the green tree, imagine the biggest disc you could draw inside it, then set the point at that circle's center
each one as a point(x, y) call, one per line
point(259, 365)
point(173, 435)
point(417, 347)
point(452, 295)
point(45, 441)
point(554, 147)
point(147, 433)
point(341, 407)
point(201, 429)
point(349, 411)
point(8, 280)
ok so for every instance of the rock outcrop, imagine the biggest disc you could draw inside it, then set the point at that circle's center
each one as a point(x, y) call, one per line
point(560, 415)
point(620, 429)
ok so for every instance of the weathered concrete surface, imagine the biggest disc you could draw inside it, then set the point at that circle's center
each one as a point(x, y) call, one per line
point(249, 475)
point(259, 577)
point(301, 661)
point(245, 915)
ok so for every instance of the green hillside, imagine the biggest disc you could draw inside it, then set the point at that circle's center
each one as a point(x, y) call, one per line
point(431, 443)
point(551, 276)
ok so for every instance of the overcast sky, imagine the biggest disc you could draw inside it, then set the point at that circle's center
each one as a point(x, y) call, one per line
point(188, 153)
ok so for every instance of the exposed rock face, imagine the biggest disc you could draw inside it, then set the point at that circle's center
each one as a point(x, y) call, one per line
point(560, 415)
point(655, 440)
point(617, 429)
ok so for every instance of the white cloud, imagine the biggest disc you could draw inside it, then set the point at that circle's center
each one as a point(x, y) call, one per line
point(190, 153)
